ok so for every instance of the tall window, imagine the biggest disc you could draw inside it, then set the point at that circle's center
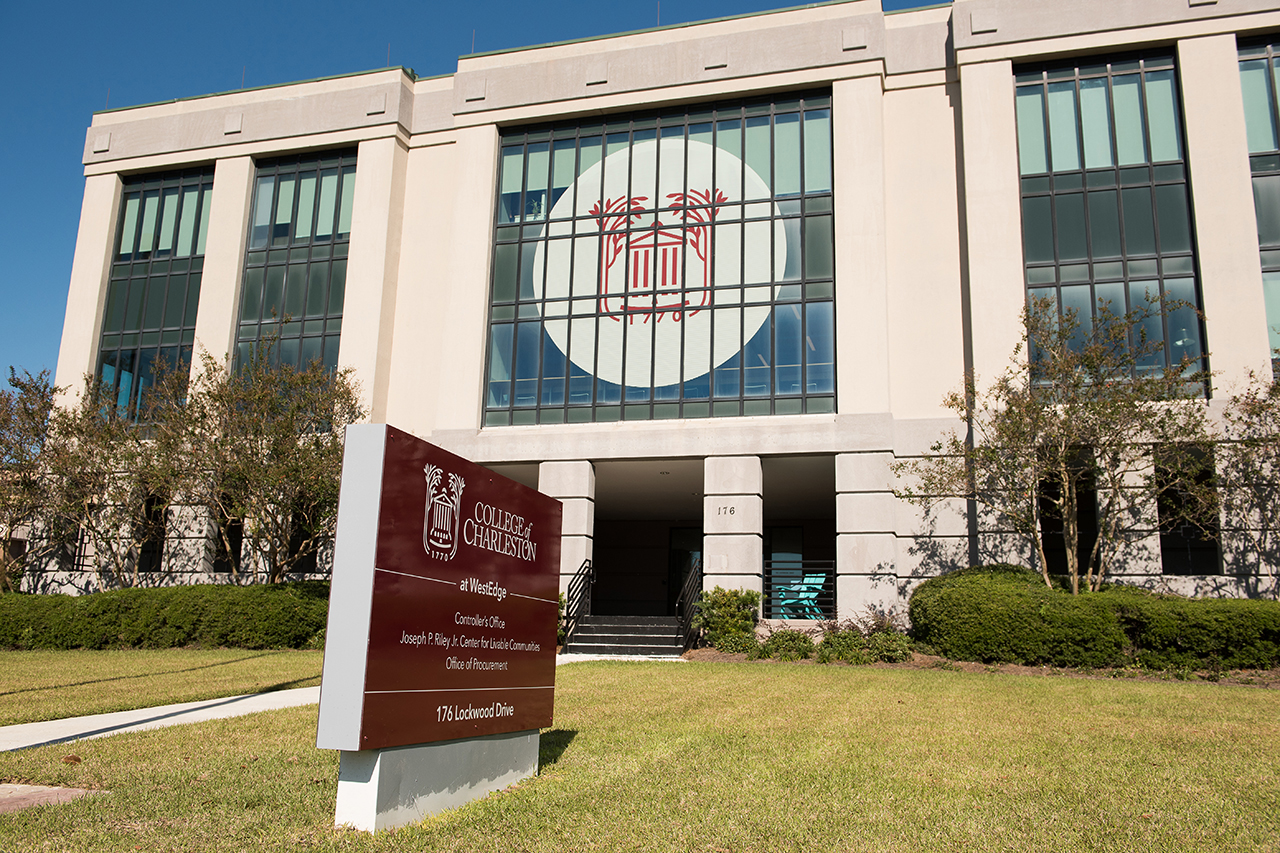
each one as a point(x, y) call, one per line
point(1259, 68)
point(673, 265)
point(295, 270)
point(1105, 210)
point(150, 314)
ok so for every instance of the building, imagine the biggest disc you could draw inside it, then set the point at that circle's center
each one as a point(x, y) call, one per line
point(705, 283)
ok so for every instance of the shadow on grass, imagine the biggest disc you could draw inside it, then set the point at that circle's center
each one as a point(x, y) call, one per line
point(150, 675)
point(552, 745)
point(290, 685)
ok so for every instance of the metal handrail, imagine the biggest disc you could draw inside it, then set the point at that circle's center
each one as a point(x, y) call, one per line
point(799, 589)
point(687, 601)
point(578, 599)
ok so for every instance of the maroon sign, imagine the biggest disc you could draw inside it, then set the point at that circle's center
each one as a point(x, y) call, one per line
point(463, 606)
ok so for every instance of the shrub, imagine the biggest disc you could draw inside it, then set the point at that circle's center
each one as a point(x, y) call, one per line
point(844, 644)
point(253, 617)
point(877, 620)
point(788, 644)
point(890, 646)
point(561, 633)
point(739, 644)
point(1169, 632)
point(873, 637)
point(1007, 614)
point(724, 614)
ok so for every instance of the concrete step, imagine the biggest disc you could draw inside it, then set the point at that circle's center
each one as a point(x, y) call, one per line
point(626, 635)
point(626, 638)
point(629, 620)
point(628, 628)
point(576, 648)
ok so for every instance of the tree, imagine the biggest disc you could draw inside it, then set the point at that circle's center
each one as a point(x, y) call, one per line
point(1246, 485)
point(25, 410)
point(267, 440)
point(1079, 410)
point(114, 475)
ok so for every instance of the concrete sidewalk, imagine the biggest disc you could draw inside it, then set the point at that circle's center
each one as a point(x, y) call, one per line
point(49, 732)
point(30, 735)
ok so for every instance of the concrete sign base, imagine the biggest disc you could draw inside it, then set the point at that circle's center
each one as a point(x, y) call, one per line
point(386, 788)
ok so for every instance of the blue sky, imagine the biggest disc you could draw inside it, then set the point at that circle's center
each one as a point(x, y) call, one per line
point(62, 61)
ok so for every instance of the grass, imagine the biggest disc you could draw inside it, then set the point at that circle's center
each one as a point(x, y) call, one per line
point(728, 757)
point(51, 685)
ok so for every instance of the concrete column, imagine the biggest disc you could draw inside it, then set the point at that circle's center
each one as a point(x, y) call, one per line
point(1139, 555)
point(926, 347)
point(574, 485)
point(466, 315)
point(217, 318)
point(992, 201)
point(224, 257)
point(1222, 198)
point(865, 541)
point(424, 293)
point(87, 293)
point(862, 371)
point(732, 523)
point(368, 315)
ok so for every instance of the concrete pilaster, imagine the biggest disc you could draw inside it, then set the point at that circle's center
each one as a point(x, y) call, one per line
point(992, 201)
point(1139, 552)
point(369, 309)
point(574, 485)
point(90, 269)
point(224, 257)
point(866, 544)
point(733, 523)
point(861, 265)
point(466, 313)
point(1225, 224)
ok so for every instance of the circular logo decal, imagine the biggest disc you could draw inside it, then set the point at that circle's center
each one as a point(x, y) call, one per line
point(647, 248)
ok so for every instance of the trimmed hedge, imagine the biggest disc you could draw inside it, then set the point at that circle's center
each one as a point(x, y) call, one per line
point(249, 617)
point(1006, 614)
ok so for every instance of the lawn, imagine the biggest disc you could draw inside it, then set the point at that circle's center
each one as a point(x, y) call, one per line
point(50, 685)
point(732, 757)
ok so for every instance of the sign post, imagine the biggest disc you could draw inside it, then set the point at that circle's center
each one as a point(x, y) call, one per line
point(439, 665)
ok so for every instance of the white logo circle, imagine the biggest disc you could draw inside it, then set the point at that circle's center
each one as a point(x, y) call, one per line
point(646, 239)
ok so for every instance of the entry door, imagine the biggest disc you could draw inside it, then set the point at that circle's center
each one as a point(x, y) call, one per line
point(686, 547)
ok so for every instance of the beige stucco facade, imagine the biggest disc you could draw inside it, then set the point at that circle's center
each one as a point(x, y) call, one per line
point(929, 269)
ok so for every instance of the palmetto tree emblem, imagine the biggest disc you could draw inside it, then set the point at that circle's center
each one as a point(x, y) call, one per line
point(660, 224)
point(443, 512)
point(649, 285)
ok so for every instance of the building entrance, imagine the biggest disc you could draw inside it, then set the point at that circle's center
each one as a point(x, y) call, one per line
point(640, 565)
point(647, 534)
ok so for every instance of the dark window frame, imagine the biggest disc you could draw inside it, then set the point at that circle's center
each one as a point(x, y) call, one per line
point(1115, 272)
point(1264, 166)
point(680, 403)
point(307, 269)
point(142, 324)
point(1188, 545)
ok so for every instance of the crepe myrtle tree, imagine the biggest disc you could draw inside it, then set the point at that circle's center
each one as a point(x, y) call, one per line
point(25, 410)
point(1081, 410)
point(267, 439)
point(115, 472)
point(1243, 486)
